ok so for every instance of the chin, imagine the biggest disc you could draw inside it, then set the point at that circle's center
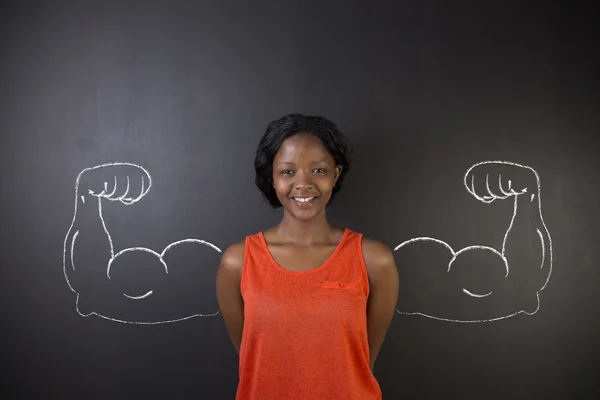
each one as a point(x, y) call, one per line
point(306, 214)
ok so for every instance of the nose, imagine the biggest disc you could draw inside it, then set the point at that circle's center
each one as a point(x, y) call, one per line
point(303, 180)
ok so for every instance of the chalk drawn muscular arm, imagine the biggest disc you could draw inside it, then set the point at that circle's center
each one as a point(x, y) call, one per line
point(88, 247)
point(133, 285)
point(479, 283)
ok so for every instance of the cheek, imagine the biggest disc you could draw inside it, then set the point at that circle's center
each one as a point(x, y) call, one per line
point(325, 184)
point(281, 187)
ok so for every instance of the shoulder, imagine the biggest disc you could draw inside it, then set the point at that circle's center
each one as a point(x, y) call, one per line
point(378, 257)
point(232, 260)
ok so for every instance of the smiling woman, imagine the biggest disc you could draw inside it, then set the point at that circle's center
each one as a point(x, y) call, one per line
point(306, 304)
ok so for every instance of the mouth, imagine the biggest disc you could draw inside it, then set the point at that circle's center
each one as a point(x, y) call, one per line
point(306, 201)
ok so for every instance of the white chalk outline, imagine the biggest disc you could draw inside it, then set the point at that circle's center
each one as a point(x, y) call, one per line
point(127, 201)
point(488, 199)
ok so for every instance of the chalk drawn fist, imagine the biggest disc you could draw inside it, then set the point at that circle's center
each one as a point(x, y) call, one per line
point(493, 180)
point(123, 182)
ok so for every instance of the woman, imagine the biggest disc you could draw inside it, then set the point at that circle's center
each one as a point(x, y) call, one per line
point(306, 304)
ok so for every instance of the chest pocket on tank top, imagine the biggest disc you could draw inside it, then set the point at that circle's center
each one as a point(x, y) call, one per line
point(353, 286)
point(344, 303)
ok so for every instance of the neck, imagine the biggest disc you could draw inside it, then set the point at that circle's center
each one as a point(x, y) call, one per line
point(301, 232)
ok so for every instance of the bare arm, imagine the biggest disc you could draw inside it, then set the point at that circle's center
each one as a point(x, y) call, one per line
point(383, 281)
point(229, 297)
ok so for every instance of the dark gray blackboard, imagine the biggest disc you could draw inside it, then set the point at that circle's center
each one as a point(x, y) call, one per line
point(424, 90)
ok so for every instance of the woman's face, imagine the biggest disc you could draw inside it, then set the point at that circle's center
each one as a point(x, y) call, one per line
point(304, 174)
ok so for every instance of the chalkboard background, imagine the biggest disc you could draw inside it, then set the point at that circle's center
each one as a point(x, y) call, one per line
point(423, 89)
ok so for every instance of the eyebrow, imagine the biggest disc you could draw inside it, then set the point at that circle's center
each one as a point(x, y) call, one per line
point(314, 162)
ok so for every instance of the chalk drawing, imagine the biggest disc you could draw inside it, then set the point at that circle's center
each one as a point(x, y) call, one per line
point(489, 181)
point(129, 183)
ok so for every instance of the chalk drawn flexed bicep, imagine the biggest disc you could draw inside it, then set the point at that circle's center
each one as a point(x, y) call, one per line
point(499, 180)
point(480, 283)
point(137, 284)
point(88, 236)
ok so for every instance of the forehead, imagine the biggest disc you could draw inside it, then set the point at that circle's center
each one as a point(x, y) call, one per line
point(302, 146)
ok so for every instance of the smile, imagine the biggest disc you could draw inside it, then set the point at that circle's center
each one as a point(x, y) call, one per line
point(305, 201)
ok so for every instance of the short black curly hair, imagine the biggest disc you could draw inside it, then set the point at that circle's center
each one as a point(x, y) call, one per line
point(277, 131)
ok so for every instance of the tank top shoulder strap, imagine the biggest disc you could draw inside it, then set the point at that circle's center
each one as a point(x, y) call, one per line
point(253, 242)
point(348, 264)
point(256, 259)
point(351, 241)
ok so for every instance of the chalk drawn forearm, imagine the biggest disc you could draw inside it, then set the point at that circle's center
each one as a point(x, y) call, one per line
point(479, 283)
point(135, 284)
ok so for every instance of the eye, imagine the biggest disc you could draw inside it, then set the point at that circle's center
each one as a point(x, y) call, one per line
point(286, 172)
point(319, 170)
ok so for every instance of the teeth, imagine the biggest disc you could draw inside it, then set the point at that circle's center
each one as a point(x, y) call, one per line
point(303, 199)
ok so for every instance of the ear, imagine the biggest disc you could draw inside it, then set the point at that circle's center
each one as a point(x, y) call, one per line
point(338, 172)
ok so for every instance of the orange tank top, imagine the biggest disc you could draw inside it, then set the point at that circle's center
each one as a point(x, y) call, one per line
point(305, 333)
